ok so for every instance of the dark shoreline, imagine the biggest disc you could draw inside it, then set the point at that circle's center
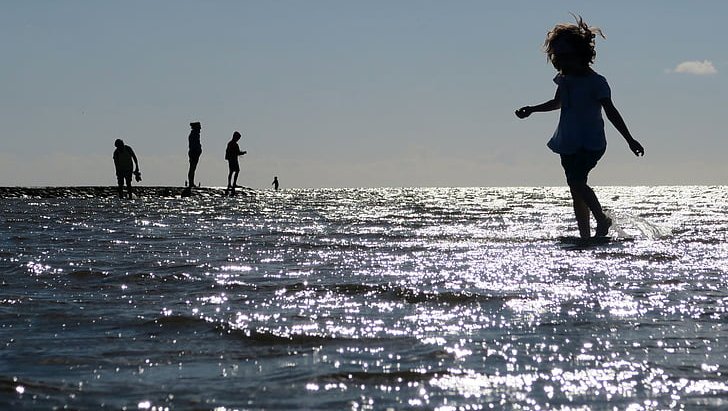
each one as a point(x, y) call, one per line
point(111, 191)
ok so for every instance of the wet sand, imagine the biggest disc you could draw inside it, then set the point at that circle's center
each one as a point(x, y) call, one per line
point(111, 191)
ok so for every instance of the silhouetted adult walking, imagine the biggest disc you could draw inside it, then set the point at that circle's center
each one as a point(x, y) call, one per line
point(126, 164)
point(231, 155)
point(275, 183)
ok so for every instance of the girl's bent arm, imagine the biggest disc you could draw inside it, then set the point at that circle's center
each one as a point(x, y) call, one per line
point(616, 119)
point(553, 104)
point(550, 105)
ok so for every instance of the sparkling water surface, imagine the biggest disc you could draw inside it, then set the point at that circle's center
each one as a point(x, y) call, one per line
point(365, 299)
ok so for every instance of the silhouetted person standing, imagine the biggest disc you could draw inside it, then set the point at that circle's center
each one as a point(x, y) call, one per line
point(126, 164)
point(194, 152)
point(275, 183)
point(231, 155)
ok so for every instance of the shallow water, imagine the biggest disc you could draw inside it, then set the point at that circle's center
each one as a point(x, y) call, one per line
point(361, 299)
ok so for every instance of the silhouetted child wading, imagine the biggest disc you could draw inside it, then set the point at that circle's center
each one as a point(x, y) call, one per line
point(579, 139)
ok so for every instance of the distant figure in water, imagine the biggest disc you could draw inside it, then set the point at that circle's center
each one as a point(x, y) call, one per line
point(194, 153)
point(231, 155)
point(126, 164)
point(275, 183)
point(579, 139)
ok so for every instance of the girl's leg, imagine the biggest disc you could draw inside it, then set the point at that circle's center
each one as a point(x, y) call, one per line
point(603, 222)
point(577, 167)
point(593, 202)
point(581, 210)
point(590, 203)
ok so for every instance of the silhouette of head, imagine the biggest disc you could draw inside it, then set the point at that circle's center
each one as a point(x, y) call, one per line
point(119, 143)
point(196, 125)
point(571, 44)
point(236, 136)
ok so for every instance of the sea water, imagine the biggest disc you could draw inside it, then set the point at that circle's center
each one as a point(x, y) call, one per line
point(365, 299)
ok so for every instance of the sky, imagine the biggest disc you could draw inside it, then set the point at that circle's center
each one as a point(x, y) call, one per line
point(339, 93)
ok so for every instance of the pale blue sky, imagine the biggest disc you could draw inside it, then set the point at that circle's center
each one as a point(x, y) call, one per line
point(349, 93)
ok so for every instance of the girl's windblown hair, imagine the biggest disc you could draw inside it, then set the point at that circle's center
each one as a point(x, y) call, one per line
point(572, 38)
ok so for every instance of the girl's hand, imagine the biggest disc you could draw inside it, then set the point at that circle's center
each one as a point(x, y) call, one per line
point(523, 112)
point(636, 147)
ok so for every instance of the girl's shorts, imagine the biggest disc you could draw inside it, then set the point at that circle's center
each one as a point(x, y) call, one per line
point(578, 165)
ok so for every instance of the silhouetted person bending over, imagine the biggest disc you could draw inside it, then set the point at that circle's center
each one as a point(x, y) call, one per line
point(231, 155)
point(194, 152)
point(126, 164)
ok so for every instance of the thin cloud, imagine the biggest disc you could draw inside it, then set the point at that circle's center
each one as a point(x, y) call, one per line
point(695, 67)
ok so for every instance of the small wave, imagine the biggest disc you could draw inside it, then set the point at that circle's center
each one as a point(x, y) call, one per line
point(265, 337)
point(707, 241)
point(391, 292)
point(87, 275)
point(153, 277)
point(414, 296)
point(357, 289)
point(11, 384)
point(186, 323)
point(397, 377)
point(177, 324)
point(668, 281)
point(660, 257)
point(176, 321)
point(394, 292)
point(655, 257)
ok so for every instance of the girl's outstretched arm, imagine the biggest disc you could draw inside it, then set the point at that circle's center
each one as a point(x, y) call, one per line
point(553, 104)
point(616, 119)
